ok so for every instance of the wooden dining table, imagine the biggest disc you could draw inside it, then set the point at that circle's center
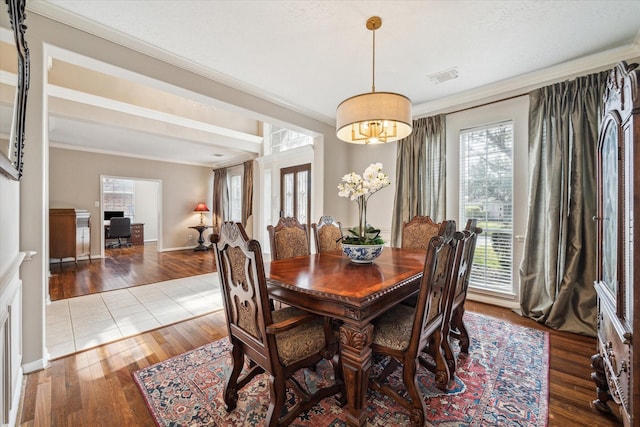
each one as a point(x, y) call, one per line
point(331, 285)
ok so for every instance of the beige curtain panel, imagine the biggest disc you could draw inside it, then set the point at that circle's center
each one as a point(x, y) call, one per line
point(420, 173)
point(247, 193)
point(558, 267)
point(220, 198)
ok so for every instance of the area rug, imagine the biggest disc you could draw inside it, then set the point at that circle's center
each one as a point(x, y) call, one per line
point(502, 382)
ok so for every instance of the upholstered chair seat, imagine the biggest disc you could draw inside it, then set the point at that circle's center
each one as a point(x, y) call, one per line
point(394, 329)
point(297, 343)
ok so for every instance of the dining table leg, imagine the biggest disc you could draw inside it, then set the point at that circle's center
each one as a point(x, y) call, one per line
point(355, 352)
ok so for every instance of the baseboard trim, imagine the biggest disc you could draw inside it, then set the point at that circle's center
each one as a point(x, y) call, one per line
point(36, 365)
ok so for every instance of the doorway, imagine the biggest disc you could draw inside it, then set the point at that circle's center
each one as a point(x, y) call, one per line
point(138, 199)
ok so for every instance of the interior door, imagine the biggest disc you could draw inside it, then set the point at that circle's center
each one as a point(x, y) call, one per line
point(295, 192)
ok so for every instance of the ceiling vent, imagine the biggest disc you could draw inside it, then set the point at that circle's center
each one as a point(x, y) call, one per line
point(443, 76)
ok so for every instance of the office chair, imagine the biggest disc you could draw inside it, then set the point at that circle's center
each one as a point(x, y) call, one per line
point(119, 228)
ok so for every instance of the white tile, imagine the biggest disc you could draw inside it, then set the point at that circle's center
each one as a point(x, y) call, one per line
point(132, 318)
point(138, 327)
point(79, 323)
point(85, 342)
point(61, 349)
point(83, 329)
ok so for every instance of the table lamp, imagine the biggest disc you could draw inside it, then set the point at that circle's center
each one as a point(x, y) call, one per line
point(201, 208)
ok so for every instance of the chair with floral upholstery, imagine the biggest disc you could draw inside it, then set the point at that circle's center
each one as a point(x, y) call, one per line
point(288, 238)
point(417, 233)
point(279, 342)
point(327, 234)
point(402, 332)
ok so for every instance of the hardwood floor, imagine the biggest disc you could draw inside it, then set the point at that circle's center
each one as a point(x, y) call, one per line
point(126, 267)
point(95, 387)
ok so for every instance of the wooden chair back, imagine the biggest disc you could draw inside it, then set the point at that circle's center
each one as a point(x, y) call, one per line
point(457, 329)
point(417, 233)
point(288, 239)
point(327, 234)
point(244, 290)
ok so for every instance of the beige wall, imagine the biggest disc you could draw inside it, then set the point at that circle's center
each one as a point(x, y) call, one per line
point(74, 182)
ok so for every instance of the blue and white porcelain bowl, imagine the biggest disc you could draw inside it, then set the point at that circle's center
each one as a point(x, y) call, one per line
point(362, 254)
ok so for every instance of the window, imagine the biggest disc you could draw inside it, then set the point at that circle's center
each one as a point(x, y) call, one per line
point(119, 195)
point(486, 194)
point(287, 139)
point(295, 192)
point(235, 194)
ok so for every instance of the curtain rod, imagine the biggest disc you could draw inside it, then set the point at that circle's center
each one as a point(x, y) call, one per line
point(487, 103)
point(233, 166)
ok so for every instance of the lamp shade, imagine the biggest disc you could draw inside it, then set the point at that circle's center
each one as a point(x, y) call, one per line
point(375, 117)
point(202, 207)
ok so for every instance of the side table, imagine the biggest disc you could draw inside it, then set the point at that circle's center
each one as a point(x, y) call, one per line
point(201, 246)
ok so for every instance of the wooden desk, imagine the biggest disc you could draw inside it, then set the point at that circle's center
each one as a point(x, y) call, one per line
point(330, 285)
point(137, 233)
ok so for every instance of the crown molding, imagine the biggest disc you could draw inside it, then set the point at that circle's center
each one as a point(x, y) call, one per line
point(523, 84)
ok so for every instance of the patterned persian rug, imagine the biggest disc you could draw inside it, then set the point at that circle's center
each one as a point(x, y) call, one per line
point(502, 382)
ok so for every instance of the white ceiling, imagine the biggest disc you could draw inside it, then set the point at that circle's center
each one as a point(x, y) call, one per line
point(310, 55)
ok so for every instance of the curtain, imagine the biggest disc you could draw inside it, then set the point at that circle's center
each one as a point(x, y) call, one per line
point(558, 267)
point(220, 198)
point(247, 191)
point(420, 173)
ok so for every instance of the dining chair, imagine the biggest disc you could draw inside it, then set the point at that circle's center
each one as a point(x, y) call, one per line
point(402, 332)
point(417, 232)
point(457, 328)
point(288, 238)
point(327, 234)
point(279, 342)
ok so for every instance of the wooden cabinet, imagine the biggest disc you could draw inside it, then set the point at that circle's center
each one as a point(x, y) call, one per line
point(69, 234)
point(617, 363)
point(137, 234)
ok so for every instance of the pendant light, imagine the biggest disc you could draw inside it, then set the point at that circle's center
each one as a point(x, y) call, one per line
point(375, 117)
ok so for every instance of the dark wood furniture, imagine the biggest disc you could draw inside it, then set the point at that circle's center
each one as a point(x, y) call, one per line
point(279, 342)
point(69, 234)
point(327, 234)
point(201, 246)
point(330, 285)
point(289, 238)
point(617, 363)
point(137, 233)
point(401, 333)
point(456, 328)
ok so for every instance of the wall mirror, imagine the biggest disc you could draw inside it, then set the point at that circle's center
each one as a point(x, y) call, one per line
point(14, 84)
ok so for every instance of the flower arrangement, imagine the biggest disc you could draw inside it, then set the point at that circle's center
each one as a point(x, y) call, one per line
point(359, 189)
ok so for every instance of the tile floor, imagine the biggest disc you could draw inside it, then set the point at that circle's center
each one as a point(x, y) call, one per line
point(84, 322)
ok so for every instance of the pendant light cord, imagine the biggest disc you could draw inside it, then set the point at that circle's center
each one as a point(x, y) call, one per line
point(373, 77)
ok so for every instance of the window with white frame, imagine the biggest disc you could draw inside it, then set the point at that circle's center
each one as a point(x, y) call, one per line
point(119, 195)
point(234, 183)
point(486, 194)
point(286, 139)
